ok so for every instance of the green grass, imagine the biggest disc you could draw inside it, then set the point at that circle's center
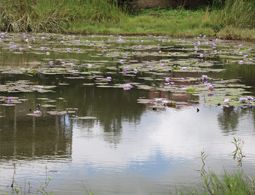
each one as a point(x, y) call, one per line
point(235, 20)
point(171, 22)
point(54, 15)
point(228, 184)
point(238, 13)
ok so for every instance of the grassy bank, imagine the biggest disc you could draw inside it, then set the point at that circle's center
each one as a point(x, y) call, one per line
point(236, 20)
point(229, 184)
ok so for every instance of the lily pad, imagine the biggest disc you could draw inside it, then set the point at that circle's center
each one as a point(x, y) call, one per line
point(85, 118)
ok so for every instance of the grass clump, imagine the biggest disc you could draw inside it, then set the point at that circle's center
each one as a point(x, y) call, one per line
point(54, 15)
point(229, 184)
point(239, 13)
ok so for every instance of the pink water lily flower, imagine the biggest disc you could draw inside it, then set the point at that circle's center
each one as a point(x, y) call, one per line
point(127, 86)
point(167, 79)
point(241, 62)
point(250, 98)
point(243, 99)
point(204, 78)
point(210, 87)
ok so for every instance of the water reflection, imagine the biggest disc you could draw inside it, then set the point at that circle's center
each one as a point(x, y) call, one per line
point(228, 120)
point(24, 137)
point(244, 72)
point(110, 106)
point(129, 148)
point(125, 141)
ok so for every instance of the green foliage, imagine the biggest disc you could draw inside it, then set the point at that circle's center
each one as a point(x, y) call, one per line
point(191, 90)
point(54, 15)
point(228, 184)
point(227, 19)
point(238, 13)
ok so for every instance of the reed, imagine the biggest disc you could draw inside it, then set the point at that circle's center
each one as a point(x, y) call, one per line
point(238, 13)
point(54, 15)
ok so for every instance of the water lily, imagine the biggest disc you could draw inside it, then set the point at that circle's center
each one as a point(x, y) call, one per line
point(243, 99)
point(214, 45)
point(68, 50)
point(9, 100)
point(135, 71)
point(125, 70)
point(226, 100)
point(120, 40)
point(89, 65)
point(2, 35)
point(127, 86)
point(108, 78)
point(204, 78)
point(167, 79)
point(241, 62)
point(51, 63)
point(121, 61)
point(210, 87)
point(13, 46)
point(250, 98)
point(43, 48)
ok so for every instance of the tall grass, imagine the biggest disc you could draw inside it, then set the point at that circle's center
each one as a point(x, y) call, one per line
point(229, 184)
point(239, 13)
point(54, 15)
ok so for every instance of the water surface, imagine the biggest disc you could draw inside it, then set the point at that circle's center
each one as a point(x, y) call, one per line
point(128, 148)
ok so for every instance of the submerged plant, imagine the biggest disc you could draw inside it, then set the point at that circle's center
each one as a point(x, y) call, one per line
point(238, 152)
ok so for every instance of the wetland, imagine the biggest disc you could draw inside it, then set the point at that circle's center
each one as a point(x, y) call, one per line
point(113, 114)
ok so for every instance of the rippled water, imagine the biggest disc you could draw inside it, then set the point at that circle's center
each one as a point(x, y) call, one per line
point(129, 148)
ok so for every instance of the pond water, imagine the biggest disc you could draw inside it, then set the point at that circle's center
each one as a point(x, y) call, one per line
point(122, 115)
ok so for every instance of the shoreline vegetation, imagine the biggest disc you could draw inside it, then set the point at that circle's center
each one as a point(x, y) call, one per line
point(233, 19)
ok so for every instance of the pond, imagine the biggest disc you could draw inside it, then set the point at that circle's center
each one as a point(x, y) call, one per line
point(122, 115)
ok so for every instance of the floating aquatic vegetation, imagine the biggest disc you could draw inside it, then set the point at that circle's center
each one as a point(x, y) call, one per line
point(35, 114)
point(71, 110)
point(63, 84)
point(8, 105)
point(48, 106)
point(127, 86)
point(24, 86)
point(181, 68)
point(84, 118)
point(57, 113)
point(10, 101)
point(75, 78)
point(157, 103)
